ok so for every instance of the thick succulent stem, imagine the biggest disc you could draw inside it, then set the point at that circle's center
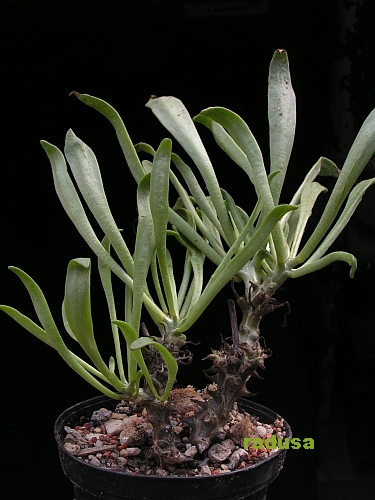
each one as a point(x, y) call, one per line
point(232, 366)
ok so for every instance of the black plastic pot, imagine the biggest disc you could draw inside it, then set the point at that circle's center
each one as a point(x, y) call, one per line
point(91, 482)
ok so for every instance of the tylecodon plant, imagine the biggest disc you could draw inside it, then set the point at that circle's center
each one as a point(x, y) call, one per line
point(255, 248)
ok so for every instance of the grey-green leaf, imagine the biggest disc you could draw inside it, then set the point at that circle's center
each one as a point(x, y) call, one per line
point(87, 175)
point(281, 118)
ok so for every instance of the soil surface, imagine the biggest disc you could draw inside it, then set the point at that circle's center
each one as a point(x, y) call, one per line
point(123, 439)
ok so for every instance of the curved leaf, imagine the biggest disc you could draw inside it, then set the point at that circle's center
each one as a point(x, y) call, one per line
point(227, 144)
point(169, 360)
point(352, 203)
point(73, 207)
point(175, 118)
point(87, 175)
point(77, 307)
point(308, 199)
point(126, 144)
point(131, 336)
point(359, 155)
point(323, 262)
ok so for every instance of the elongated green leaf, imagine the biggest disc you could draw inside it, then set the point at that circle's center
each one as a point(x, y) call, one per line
point(106, 279)
point(174, 117)
point(186, 201)
point(281, 118)
point(146, 148)
point(77, 305)
point(27, 323)
point(186, 230)
point(196, 191)
point(87, 175)
point(312, 266)
point(233, 210)
point(112, 364)
point(144, 249)
point(242, 136)
point(240, 133)
point(229, 268)
point(50, 335)
point(169, 360)
point(360, 153)
point(66, 322)
point(111, 114)
point(131, 336)
point(227, 144)
point(197, 259)
point(157, 284)
point(184, 282)
point(41, 308)
point(73, 207)
point(354, 199)
point(323, 167)
point(159, 203)
point(308, 199)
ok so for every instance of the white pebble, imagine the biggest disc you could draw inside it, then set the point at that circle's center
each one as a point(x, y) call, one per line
point(95, 461)
point(114, 426)
point(261, 431)
point(130, 452)
point(190, 452)
point(205, 470)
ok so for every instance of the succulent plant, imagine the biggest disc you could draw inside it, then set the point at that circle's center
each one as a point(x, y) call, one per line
point(255, 248)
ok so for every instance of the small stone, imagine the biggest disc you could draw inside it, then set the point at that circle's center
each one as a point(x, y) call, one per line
point(228, 443)
point(177, 429)
point(100, 416)
point(237, 456)
point(122, 460)
point(133, 435)
point(244, 428)
point(161, 472)
point(205, 470)
point(130, 452)
point(191, 451)
point(261, 431)
point(95, 461)
point(72, 448)
point(132, 420)
point(114, 426)
point(218, 453)
point(117, 416)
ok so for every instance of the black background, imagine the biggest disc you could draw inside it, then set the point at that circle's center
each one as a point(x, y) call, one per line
point(123, 52)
